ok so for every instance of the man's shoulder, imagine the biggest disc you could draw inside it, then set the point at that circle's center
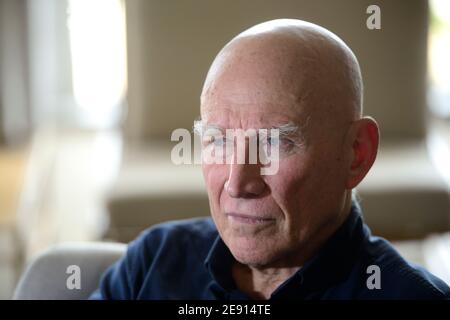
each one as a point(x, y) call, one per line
point(159, 260)
point(401, 279)
point(193, 234)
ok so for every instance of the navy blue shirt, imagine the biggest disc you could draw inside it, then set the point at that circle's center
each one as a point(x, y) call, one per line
point(188, 260)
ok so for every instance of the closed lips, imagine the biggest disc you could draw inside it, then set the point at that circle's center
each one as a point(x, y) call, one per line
point(245, 218)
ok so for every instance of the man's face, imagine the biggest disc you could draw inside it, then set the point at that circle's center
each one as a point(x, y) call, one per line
point(264, 219)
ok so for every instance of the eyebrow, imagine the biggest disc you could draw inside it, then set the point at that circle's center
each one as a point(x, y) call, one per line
point(286, 129)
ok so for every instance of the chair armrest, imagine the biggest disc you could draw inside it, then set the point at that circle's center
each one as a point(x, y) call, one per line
point(47, 275)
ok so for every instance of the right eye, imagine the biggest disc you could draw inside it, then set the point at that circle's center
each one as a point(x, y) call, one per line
point(217, 141)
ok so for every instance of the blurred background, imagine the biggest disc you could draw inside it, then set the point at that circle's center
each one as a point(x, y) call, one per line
point(91, 90)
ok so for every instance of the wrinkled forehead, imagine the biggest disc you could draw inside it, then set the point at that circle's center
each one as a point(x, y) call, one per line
point(251, 117)
point(243, 103)
point(261, 78)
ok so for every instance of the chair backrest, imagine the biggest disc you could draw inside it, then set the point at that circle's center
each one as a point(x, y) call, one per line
point(69, 271)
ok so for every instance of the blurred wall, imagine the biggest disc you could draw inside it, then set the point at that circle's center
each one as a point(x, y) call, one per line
point(172, 43)
point(14, 84)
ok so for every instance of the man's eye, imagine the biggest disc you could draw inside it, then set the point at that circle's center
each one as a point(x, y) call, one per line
point(282, 144)
point(273, 141)
point(212, 140)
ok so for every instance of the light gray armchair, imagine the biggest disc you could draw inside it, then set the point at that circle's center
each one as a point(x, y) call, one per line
point(48, 275)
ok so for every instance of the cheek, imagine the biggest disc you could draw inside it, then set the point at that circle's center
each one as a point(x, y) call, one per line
point(296, 184)
point(292, 172)
point(310, 181)
point(215, 177)
point(286, 187)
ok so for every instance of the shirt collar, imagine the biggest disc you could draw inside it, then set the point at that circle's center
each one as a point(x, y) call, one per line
point(330, 264)
point(219, 263)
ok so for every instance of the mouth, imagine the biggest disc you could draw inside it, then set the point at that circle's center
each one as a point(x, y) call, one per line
point(248, 219)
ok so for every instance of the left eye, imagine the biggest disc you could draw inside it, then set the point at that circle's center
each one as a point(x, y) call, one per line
point(273, 141)
point(283, 144)
point(219, 142)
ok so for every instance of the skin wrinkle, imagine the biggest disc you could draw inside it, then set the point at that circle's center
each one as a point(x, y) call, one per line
point(291, 139)
point(285, 71)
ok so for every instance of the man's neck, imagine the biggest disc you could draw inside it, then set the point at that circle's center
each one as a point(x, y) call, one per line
point(260, 283)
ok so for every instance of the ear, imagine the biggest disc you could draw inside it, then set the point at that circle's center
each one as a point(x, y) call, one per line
point(364, 144)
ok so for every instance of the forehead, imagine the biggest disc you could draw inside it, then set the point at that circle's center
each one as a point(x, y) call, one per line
point(257, 90)
point(248, 116)
point(255, 80)
point(262, 102)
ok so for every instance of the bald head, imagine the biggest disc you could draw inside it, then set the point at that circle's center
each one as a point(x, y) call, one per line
point(291, 61)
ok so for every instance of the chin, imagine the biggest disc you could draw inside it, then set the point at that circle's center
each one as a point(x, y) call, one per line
point(252, 254)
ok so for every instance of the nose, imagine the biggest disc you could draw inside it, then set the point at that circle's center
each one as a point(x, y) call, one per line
point(244, 181)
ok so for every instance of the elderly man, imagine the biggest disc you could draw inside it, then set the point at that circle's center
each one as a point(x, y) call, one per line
point(296, 234)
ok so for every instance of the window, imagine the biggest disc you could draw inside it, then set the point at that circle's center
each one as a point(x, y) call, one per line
point(438, 56)
point(98, 58)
